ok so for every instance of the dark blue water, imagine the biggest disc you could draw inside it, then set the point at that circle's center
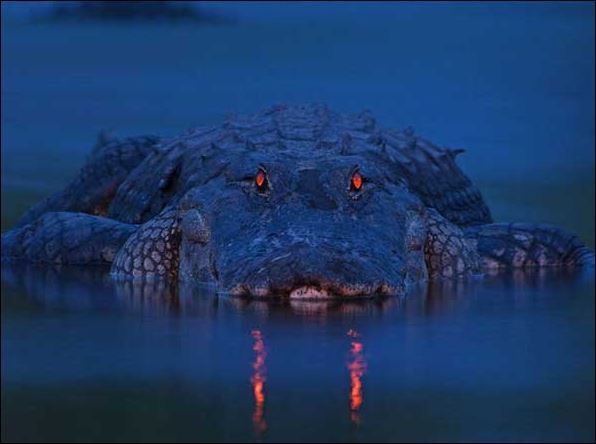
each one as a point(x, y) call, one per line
point(507, 358)
point(510, 82)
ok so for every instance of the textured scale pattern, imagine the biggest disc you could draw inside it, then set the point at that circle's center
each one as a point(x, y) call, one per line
point(152, 251)
point(522, 245)
point(448, 253)
point(430, 171)
point(68, 238)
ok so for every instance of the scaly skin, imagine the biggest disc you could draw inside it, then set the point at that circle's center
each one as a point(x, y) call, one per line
point(152, 251)
point(447, 250)
point(189, 209)
point(67, 238)
point(520, 245)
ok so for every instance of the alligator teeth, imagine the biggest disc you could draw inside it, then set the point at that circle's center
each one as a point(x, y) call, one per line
point(309, 293)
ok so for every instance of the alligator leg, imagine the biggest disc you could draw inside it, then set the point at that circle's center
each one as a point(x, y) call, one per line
point(153, 251)
point(172, 245)
point(67, 238)
point(93, 189)
point(448, 253)
point(522, 245)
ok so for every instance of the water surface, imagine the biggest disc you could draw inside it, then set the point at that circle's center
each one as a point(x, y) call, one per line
point(506, 358)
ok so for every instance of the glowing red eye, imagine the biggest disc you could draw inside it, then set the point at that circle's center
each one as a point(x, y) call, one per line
point(356, 181)
point(261, 179)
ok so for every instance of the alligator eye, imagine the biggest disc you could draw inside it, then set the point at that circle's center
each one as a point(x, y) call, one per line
point(261, 181)
point(356, 183)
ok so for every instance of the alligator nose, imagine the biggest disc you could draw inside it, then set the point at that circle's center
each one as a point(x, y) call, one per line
point(310, 186)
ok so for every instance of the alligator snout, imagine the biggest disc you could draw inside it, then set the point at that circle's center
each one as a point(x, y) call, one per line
point(315, 274)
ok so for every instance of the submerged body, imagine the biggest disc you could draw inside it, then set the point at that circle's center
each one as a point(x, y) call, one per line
point(296, 202)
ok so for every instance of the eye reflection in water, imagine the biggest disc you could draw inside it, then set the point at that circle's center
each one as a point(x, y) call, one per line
point(258, 382)
point(357, 367)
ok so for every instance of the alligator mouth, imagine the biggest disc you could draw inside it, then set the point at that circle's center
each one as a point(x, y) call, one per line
point(316, 292)
point(310, 293)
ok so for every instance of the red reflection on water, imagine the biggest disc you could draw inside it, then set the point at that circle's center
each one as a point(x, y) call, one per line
point(258, 382)
point(357, 368)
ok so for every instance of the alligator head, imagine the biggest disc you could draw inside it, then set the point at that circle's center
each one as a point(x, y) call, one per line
point(303, 228)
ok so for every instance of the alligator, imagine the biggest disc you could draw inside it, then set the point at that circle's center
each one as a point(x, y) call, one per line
point(296, 202)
